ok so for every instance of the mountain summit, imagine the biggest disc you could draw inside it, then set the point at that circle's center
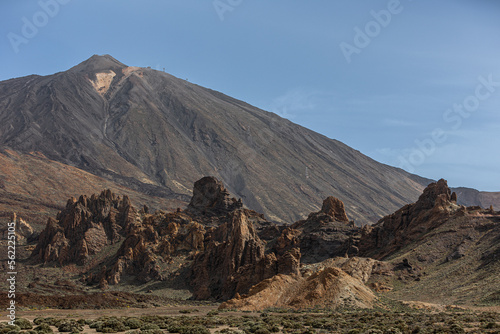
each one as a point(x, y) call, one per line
point(157, 134)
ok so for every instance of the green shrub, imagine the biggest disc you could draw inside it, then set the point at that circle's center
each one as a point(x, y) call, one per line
point(23, 323)
point(149, 326)
point(273, 328)
point(229, 331)
point(44, 328)
point(39, 320)
point(152, 331)
point(491, 325)
point(51, 321)
point(456, 329)
point(10, 328)
point(291, 324)
point(109, 325)
point(193, 329)
point(374, 331)
point(96, 324)
point(133, 323)
point(70, 326)
point(308, 331)
point(262, 330)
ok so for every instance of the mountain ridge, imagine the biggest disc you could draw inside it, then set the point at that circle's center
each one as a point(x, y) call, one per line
point(157, 134)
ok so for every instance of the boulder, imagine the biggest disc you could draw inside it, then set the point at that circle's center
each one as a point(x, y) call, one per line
point(210, 196)
point(334, 207)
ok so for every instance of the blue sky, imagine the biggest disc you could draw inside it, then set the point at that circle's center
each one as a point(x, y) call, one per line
point(414, 84)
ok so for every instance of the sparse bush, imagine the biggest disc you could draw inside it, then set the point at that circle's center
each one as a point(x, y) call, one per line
point(10, 328)
point(230, 331)
point(152, 331)
point(273, 328)
point(133, 323)
point(149, 326)
point(70, 326)
point(23, 323)
point(109, 325)
point(44, 328)
point(38, 321)
point(136, 331)
point(193, 329)
point(261, 330)
point(374, 331)
point(491, 325)
point(291, 324)
point(456, 329)
point(308, 331)
point(95, 324)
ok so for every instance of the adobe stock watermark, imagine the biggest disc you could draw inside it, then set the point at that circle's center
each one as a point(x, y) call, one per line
point(224, 6)
point(11, 270)
point(32, 25)
point(453, 116)
point(364, 36)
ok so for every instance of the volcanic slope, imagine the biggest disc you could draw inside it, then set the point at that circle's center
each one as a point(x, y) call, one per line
point(157, 134)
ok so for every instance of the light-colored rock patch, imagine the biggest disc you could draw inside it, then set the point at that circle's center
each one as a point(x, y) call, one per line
point(103, 81)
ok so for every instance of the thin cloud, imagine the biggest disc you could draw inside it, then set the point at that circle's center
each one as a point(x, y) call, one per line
point(297, 101)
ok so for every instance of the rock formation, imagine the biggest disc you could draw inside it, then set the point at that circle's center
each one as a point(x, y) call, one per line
point(23, 230)
point(151, 245)
point(234, 257)
point(410, 222)
point(328, 287)
point(211, 197)
point(327, 233)
point(219, 250)
point(83, 228)
point(230, 246)
point(334, 207)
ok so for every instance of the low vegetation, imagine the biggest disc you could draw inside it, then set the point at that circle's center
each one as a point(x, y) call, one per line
point(273, 321)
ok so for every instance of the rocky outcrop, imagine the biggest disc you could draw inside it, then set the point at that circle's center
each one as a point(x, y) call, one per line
point(334, 207)
point(211, 197)
point(361, 268)
point(22, 230)
point(84, 227)
point(327, 233)
point(151, 245)
point(272, 264)
point(409, 223)
point(329, 287)
point(231, 246)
